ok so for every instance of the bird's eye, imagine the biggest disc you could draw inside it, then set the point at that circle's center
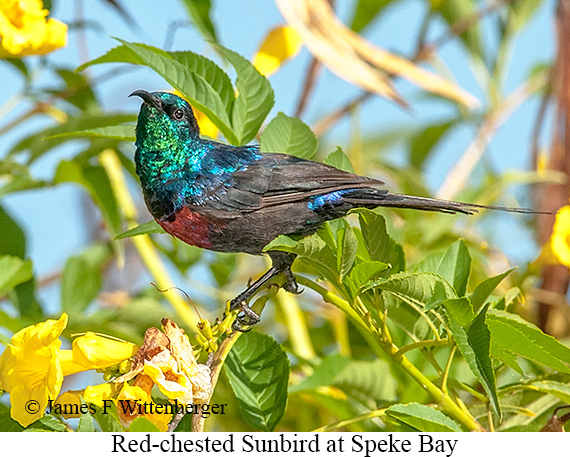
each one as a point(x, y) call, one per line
point(178, 114)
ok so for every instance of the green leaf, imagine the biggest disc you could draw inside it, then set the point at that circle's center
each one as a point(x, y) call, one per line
point(512, 335)
point(258, 371)
point(143, 229)
point(223, 267)
point(200, 11)
point(368, 380)
point(7, 424)
point(47, 423)
point(422, 418)
point(25, 301)
point(365, 271)
point(485, 288)
point(217, 78)
point(81, 279)
point(13, 239)
point(457, 10)
point(108, 419)
point(288, 135)
point(364, 380)
point(96, 181)
point(473, 340)
point(479, 339)
point(423, 143)
point(379, 244)
point(365, 12)
point(323, 374)
point(45, 140)
point(340, 160)
point(142, 424)
point(85, 421)
point(312, 250)
point(347, 245)
point(521, 12)
point(415, 288)
point(78, 90)
point(172, 67)
point(115, 132)
point(13, 271)
point(254, 101)
point(455, 266)
point(556, 388)
point(15, 177)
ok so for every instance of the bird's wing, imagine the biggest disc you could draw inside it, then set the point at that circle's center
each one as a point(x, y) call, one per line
point(277, 179)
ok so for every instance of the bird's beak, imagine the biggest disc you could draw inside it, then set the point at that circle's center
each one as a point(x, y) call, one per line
point(148, 98)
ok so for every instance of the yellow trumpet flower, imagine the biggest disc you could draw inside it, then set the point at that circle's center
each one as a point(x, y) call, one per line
point(25, 31)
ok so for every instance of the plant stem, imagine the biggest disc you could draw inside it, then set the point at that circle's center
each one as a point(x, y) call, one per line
point(296, 325)
point(352, 420)
point(382, 343)
point(421, 344)
point(215, 365)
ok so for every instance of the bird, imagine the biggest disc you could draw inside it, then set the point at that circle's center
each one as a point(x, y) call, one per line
point(228, 198)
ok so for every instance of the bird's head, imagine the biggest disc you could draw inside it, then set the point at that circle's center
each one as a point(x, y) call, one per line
point(163, 118)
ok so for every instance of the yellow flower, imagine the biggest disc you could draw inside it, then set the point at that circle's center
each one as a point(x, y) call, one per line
point(135, 401)
point(31, 370)
point(94, 351)
point(560, 240)
point(25, 31)
point(207, 127)
point(71, 399)
point(280, 44)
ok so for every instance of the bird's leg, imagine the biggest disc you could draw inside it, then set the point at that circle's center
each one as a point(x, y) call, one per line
point(281, 264)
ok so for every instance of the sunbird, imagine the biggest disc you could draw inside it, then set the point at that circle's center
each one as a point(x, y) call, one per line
point(236, 199)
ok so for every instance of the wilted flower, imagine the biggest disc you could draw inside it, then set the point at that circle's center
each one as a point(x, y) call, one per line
point(168, 360)
point(25, 31)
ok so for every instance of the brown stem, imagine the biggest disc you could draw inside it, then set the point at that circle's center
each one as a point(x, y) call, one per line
point(308, 86)
point(215, 363)
point(556, 278)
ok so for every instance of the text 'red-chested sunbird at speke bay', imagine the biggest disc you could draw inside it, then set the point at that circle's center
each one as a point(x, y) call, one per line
point(236, 199)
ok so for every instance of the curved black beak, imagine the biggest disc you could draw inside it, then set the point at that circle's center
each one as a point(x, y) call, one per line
point(148, 98)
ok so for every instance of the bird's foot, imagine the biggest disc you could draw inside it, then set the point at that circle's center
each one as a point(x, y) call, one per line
point(246, 318)
point(290, 284)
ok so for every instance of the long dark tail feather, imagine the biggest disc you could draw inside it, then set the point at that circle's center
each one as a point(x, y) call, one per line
point(428, 204)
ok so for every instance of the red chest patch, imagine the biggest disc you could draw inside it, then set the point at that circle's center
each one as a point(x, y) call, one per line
point(190, 227)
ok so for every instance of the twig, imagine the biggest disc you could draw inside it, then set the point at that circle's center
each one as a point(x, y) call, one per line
point(458, 177)
point(330, 119)
point(379, 413)
point(82, 47)
point(463, 25)
point(308, 86)
point(422, 53)
point(538, 124)
point(215, 364)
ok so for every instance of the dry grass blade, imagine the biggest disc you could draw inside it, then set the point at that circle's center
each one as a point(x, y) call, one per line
point(458, 177)
point(357, 60)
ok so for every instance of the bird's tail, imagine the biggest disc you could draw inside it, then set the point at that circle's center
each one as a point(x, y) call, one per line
point(365, 198)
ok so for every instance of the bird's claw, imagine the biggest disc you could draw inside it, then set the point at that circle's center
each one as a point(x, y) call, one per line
point(290, 284)
point(246, 318)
